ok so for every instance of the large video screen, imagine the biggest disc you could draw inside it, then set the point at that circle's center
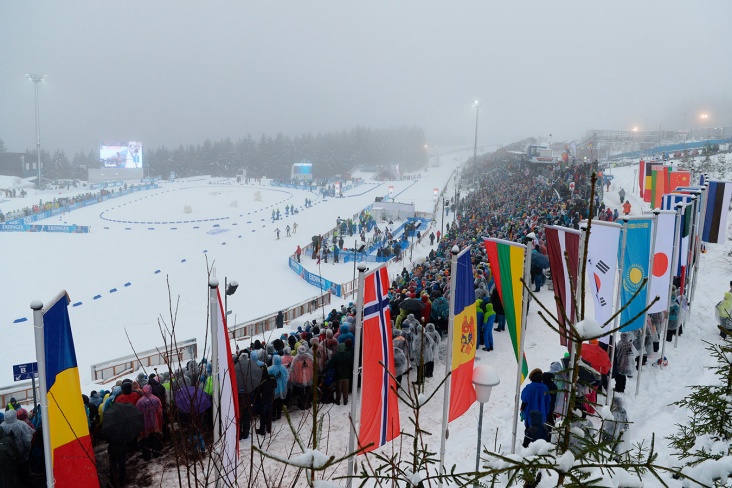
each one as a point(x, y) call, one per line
point(120, 154)
point(302, 169)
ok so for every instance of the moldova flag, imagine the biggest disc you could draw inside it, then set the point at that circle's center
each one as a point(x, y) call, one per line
point(379, 401)
point(72, 455)
point(507, 264)
point(465, 332)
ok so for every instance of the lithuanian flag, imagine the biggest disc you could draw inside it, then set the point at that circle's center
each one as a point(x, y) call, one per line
point(465, 332)
point(507, 264)
point(72, 454)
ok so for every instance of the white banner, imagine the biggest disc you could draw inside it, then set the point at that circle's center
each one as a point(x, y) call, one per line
point(662, 256)
point(602, 267)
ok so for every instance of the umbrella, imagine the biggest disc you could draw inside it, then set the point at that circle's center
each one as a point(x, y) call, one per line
point(192, 398)
point(539, 260)
point(596, 357)
point(412, 305)
point(122, 423)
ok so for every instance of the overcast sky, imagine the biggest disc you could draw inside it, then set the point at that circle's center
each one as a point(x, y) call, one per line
point(169, 72)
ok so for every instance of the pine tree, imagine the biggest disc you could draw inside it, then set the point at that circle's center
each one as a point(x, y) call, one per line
point(708, 433)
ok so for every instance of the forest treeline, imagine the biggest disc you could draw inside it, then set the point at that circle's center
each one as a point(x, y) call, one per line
point(331, 153)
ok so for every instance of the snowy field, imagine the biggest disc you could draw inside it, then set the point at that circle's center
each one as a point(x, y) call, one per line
point(244, 248)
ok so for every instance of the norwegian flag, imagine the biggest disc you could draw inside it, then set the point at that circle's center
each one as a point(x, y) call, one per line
point(379, 402)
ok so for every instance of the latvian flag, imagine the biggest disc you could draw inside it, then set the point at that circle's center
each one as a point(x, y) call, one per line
point(561, 240)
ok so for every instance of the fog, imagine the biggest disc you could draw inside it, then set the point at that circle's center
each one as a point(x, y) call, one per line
point(172, 72)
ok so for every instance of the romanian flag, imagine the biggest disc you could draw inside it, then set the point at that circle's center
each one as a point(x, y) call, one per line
point(464, 337)
point(72, 455)
point(507, 264)
point(379, 401)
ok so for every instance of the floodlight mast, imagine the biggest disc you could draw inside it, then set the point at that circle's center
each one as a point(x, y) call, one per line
point(36, 79)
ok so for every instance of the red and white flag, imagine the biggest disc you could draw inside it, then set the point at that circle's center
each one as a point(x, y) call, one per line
point(602, 267)
point(558, 241)
point(662, 256)
point(229, 399)
point(379, 401)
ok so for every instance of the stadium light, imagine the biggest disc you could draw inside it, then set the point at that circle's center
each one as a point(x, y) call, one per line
point(476, 104)
point(36, 79)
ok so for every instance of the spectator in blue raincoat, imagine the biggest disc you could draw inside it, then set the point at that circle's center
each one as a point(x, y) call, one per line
point(281, 375)
point(535, 397)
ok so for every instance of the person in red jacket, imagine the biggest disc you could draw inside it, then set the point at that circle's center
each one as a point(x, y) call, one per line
point(427, 310)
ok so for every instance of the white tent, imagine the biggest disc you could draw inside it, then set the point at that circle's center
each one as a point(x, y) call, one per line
point(14, 183)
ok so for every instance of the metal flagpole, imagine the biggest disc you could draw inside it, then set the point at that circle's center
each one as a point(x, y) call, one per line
point(621, 265)
point(356, 366)
point(37, 307)
point(674, 265)
point(696, 200)
point(444, 432)
point(648, 299)
point(213, 284)
point(524, 313)
point(702, 218)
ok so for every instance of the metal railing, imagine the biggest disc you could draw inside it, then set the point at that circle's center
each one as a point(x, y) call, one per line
point(176, 353)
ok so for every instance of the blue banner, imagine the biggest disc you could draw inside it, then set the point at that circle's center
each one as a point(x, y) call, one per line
point(635, 270)
point(85, 203)
point(315, 280)
point(70, 229)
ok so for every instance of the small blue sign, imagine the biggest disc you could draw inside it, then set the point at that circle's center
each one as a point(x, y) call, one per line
point(25, 371)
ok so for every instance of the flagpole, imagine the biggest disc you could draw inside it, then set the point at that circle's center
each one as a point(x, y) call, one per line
point(577, 292)
point(524, 313)
point(648, 298)
point(444, 432)
point(692, 242)
point(354, 382)
point(611, 383)
point(674, 265)
point(702, 219)
point(213, 284)
point(37, 307)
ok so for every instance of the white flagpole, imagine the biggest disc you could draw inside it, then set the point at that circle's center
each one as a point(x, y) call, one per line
point(524, 313)
point(444, 431)
point(696, 200)
point(702, 218)
point(674, 265)
point(37, 307)
point(356, 365)
point(213, 284)
point(648, 298)
point(621, 265)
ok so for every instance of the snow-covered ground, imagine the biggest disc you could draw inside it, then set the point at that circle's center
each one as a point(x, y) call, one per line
point(244, 248)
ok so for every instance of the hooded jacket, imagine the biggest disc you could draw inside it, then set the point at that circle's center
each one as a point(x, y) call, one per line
point(248, 375)
point(301, 369)
point(22, 432)
point(281, 375)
